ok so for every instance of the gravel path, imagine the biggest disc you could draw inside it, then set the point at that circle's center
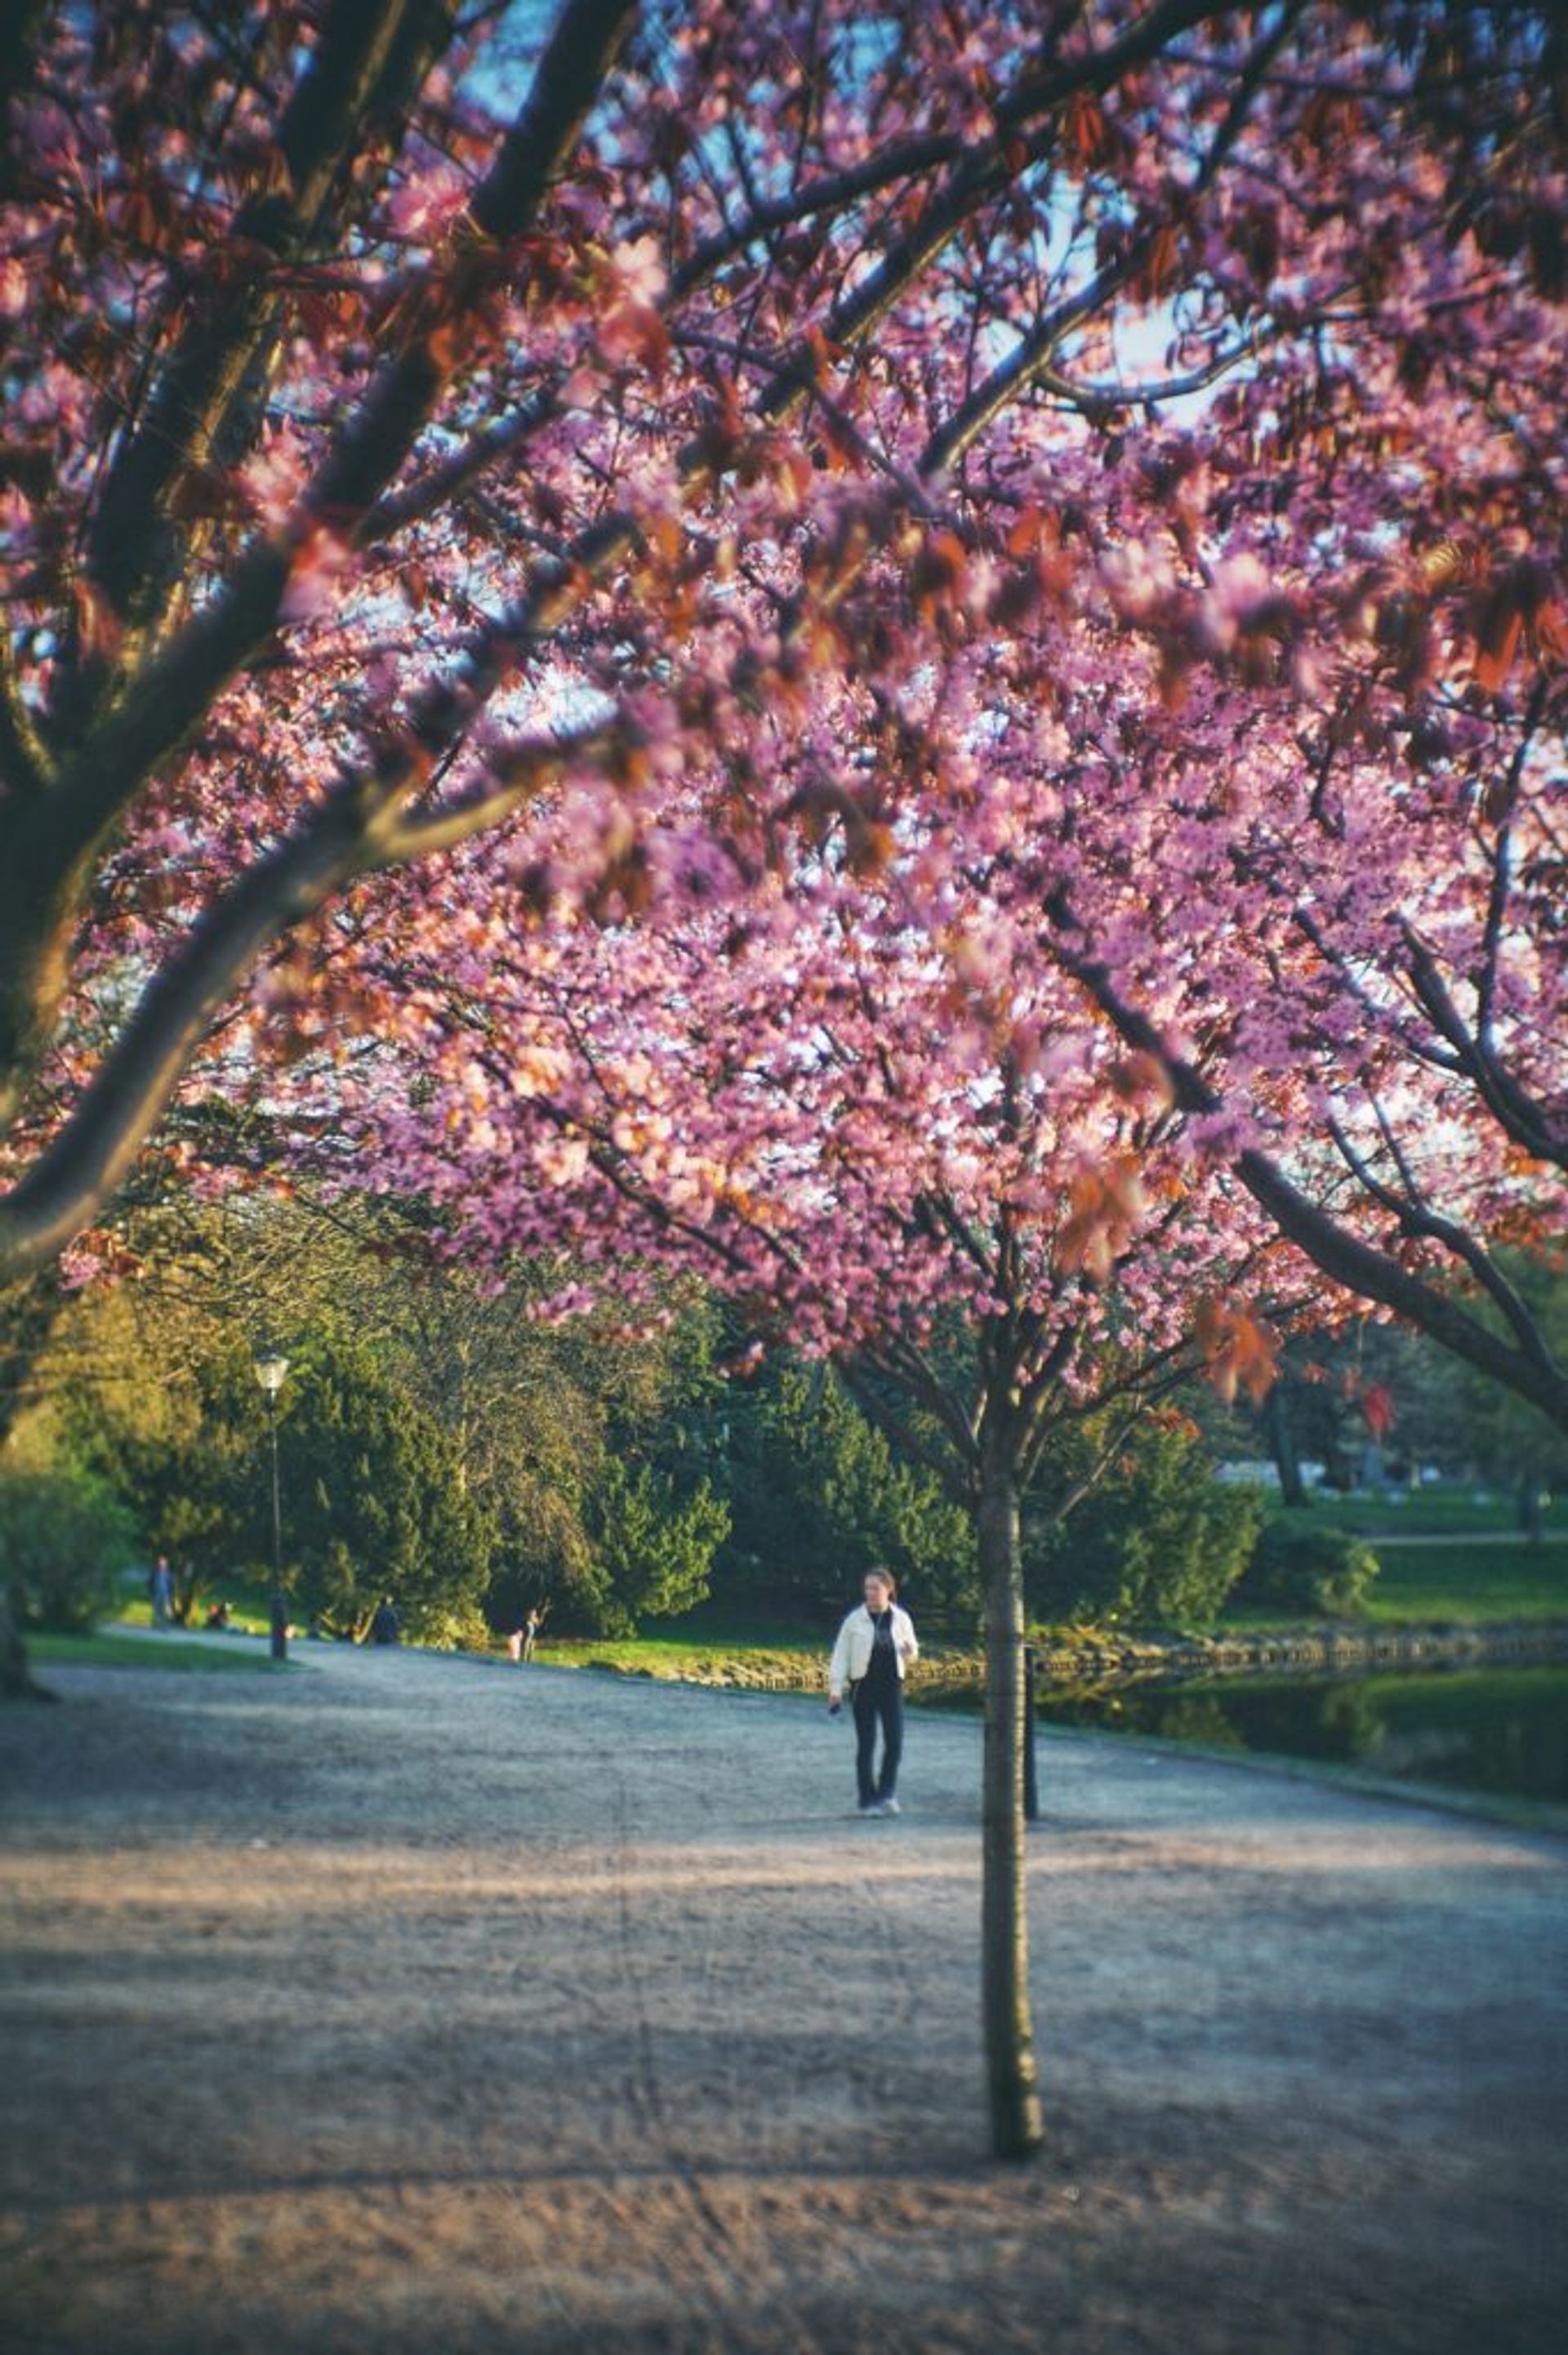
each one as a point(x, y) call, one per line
point(402, 2003)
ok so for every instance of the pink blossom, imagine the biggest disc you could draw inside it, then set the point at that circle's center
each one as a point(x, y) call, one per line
point(319, 565)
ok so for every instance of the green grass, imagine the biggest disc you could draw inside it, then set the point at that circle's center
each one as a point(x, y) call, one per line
point(1427, 1512)
point(249, 1607)
point(697, 1660)
point(47, 1650)
point(1471, 1583)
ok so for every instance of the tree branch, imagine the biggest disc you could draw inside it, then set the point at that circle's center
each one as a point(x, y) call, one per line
point(135, 549)
point(1360, 1266)
point(41, 881)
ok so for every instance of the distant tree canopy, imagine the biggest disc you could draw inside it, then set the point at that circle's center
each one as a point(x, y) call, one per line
point(441, 1443)
point(819, 1498)
point(376, 1502)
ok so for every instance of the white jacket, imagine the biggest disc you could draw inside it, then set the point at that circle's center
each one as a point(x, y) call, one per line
point(852, 1653)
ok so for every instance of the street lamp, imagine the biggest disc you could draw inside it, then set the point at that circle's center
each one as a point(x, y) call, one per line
point(270, 1368)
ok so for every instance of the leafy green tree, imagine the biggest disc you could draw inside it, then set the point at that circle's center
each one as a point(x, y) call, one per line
point(65, 1539)
point(519, 1421)
point(654, 1548)
point(1152, 1538)
point(182, 1458)
point(819, 1499)
point(374, 1501)
point(1514, 1446)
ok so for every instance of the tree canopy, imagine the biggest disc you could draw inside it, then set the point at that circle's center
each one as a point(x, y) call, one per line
point(1131, 434)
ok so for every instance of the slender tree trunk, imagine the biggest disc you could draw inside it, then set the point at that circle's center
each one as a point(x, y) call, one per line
point(1017, 2130)
point(28, 1312)
point(1281, 1434)
point(15, 1678)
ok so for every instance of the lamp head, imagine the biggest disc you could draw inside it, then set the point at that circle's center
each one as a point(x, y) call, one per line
point(270, 1368)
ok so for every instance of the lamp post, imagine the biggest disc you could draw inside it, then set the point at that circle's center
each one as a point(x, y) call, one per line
point(270, 1369)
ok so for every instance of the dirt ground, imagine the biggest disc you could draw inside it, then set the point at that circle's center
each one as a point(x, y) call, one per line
point(401, 2003)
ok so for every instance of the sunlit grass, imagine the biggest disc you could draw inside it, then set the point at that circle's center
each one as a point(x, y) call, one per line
point(1421, 1512)
point(1480, 1580)
point(110, 1651)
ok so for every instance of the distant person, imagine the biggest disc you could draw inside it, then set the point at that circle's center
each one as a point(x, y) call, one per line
point(521, 1640)
point(875, 1646)
point(218, 1616)
point(385, 1628)
point(161, 1588)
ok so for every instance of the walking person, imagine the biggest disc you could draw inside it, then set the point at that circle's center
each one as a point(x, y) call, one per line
point(161, 1589)
point(875, 1646)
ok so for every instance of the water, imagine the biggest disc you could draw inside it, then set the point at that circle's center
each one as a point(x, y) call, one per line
point(1502, 1731)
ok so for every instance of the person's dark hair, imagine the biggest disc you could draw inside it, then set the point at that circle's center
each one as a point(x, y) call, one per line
point(876, 1570)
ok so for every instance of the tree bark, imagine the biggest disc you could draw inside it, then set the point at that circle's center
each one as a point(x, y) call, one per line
point(1017, 2130)
point(1281, 1433)
point(28, 1312)
point(15, 1677)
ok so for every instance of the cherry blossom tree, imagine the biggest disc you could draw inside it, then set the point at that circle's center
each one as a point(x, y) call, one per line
point(963, 1193)
point(467, 478)
point(408, 412)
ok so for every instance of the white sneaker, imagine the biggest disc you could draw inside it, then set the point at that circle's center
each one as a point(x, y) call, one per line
point(888, 1808)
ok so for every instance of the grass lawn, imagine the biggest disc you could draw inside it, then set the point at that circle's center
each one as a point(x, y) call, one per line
point(131, 1652)
point(1471, 1585)
point(249, 1607)
point(1476, 1582)
point(1425, 1512)
point(701, 1657)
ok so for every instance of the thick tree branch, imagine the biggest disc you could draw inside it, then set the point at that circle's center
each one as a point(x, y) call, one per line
point(357, 830)
point(1512, 1107)
point(1408, 1206)
point(1344, 1256)
point(46, 869)
point(82, 1168)
point(135, 549)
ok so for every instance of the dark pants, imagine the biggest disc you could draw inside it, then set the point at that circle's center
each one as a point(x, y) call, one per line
point(872, 1702)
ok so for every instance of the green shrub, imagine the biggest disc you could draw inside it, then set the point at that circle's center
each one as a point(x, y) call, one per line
point(654, 1548)
point(818, 1496)
point(64, 1540)
point(1325, 1572)
point(1156, 1541)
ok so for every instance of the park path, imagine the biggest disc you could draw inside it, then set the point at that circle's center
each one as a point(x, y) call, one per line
point(403, 2003)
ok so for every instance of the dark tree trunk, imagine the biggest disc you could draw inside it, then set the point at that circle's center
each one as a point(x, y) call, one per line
point(28, 1312)
point(1017, 2130)
point(1281, 1434)
point(14, 1676)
